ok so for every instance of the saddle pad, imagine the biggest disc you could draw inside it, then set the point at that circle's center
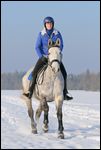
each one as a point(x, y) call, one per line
point(30, 76)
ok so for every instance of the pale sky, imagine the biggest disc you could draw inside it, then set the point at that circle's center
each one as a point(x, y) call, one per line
point(78, 22)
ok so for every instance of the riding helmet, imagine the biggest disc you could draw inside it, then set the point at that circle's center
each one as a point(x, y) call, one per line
point(48, 19)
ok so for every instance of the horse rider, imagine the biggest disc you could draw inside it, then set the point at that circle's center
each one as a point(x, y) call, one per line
point(48, 32)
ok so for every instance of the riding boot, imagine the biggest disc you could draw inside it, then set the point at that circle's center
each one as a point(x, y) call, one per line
point(67, 96)
point(31, 88)
point(40, 64)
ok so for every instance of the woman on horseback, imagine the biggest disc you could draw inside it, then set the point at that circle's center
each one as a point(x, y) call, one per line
point(49, 32)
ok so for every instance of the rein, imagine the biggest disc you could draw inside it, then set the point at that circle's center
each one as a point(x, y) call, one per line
point(43, 70)
point(42, 75)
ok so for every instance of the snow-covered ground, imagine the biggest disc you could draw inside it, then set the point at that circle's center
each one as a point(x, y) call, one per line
point(81, 119)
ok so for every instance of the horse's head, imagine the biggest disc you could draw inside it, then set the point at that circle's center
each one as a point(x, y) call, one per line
point(55, 55)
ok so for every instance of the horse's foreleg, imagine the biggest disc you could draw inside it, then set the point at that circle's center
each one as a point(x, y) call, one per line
point(38, 113)
point(59, 116)
point(46, 121)
point(43, 107)
point(60, 124)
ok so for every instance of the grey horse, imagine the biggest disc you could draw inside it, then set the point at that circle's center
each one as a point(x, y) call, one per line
point(49, 87)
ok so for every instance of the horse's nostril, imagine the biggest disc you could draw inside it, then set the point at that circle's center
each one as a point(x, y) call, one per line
point(53, 69)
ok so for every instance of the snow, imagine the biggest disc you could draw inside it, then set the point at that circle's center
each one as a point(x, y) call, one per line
point(81, 120)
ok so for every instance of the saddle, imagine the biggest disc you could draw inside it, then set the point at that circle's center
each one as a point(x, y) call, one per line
point(40, 75)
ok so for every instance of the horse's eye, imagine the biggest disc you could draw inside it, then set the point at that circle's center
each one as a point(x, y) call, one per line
point(48, 53)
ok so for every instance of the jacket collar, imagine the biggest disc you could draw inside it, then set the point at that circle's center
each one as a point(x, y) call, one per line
point(44, 31)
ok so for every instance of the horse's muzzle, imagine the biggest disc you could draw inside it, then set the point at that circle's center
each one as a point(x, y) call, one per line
point(55, 70)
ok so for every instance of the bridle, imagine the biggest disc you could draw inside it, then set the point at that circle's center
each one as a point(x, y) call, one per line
point(54, 44)
point(54, 60)
point(49, 63)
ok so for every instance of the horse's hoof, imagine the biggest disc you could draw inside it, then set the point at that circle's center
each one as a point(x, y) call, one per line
point(45, 128)
point(61, 135)
point(34, 131)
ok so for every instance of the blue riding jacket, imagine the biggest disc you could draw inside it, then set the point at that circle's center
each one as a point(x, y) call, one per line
point(41, 46)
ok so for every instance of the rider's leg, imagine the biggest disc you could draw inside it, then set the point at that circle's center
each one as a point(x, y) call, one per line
point(40, 63)
point(65, 91)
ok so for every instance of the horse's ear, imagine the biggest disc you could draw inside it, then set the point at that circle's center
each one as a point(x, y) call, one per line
point(49, 43)
point(58, 42)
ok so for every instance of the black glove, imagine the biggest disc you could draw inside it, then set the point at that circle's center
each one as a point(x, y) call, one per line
point(44, 59)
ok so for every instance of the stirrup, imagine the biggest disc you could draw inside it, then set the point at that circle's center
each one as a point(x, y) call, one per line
point(68, 96)
point(30, 95)
point(26, 94)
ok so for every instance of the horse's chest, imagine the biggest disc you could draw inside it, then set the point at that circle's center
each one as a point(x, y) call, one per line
point(47, 86)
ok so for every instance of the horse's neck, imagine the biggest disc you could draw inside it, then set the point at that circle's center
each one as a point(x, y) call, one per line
point(49, 74)
point(47, 83)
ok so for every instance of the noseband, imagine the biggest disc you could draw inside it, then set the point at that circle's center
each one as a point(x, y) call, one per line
point(54, 60)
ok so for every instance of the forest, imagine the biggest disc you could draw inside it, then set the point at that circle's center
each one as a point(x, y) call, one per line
point(87, 80)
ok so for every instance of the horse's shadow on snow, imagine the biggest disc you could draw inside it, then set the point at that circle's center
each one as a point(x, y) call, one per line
point(82, 132)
